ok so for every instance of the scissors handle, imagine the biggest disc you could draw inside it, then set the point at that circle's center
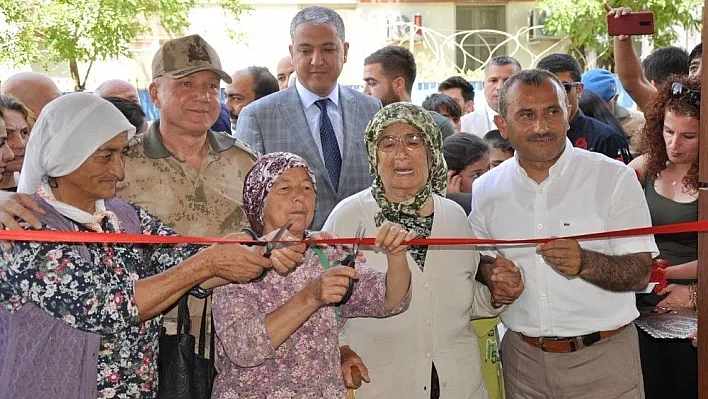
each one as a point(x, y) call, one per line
point(261, 276)
point(254, 237)
point(269, 250)
point(349, 261)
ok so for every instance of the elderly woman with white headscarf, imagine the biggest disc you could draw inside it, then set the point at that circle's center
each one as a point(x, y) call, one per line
point(83, 320)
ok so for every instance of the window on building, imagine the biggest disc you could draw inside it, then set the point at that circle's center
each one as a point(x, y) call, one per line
point(479, 46)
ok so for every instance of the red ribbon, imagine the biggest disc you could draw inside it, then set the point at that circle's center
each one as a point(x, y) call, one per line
point(124, 238)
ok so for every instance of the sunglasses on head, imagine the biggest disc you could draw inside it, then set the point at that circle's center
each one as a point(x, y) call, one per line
point(694, 96)
point(569, 85)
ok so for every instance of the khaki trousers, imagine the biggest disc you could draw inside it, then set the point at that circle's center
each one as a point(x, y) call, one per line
point(608, 369)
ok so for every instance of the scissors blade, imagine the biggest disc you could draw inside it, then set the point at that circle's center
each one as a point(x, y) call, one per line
point(360, 231)
point(282, 230)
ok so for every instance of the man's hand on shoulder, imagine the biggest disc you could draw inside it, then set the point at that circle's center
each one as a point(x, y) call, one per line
point(16, 208)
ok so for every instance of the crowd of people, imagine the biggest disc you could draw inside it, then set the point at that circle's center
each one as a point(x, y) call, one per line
point(297, 156)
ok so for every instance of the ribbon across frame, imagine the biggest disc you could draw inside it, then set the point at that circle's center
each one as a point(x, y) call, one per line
point(124, 238)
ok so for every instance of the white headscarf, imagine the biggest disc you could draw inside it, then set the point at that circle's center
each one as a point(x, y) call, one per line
point(68, 131)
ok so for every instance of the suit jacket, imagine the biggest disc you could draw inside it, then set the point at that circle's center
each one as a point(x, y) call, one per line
point(277, 123)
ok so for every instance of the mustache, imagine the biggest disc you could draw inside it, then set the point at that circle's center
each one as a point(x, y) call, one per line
point(541, 136)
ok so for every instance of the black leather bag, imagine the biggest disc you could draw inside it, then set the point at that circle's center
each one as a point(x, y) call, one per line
point(183, 373)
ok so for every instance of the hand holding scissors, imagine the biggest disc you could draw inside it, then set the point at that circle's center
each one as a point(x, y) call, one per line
point(350, 260)
point(286, 259)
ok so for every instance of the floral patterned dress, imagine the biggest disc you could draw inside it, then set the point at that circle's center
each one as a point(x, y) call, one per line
point(307, 364)
point(99, 297)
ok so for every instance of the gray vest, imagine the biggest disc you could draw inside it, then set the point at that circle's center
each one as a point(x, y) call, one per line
point(42, 357)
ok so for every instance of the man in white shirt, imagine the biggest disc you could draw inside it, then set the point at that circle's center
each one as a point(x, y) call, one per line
point(571, 330)
point(481, 120)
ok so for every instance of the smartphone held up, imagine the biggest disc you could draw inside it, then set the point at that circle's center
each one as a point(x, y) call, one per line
point(631, 24)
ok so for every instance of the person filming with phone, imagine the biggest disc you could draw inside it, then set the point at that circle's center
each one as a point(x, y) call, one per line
point(622, 24)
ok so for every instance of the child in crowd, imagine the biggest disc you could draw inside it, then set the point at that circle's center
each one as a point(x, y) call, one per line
point(499, 148)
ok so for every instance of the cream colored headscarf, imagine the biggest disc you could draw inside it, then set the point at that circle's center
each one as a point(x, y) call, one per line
point(68, 131)
point(437, 175)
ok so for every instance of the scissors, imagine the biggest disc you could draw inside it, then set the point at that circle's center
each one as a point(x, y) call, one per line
point(350, 260)
point(273, 245)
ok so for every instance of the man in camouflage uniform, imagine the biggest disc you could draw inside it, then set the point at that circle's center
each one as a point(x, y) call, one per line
point(186, 174)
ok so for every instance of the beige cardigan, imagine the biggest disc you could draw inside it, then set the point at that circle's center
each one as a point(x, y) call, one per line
point(399, 350)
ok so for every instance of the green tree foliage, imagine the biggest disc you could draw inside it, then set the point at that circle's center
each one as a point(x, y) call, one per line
point(86, 31)
point(584, 22)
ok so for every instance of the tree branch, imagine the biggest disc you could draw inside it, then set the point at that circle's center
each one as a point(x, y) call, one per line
point(88, 70)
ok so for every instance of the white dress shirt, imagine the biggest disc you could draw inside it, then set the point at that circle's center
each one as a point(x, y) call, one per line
point(312, 113)
point(479, 122)
point(585, 192)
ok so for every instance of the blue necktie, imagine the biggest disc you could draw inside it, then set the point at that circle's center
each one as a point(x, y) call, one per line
point(330, 147)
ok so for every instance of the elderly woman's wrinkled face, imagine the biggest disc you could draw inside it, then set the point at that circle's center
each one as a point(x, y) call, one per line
point(403, 161)
point(96, 178)
point(17, 134)
point(6, 154)
point(291, 197)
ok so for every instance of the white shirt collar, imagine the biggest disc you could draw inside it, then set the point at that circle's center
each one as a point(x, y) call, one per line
point(308, 98)
point(558, 168)
point(490, 115)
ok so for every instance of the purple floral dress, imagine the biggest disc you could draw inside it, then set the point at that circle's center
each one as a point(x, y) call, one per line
point(98, 296)
point(307, 364)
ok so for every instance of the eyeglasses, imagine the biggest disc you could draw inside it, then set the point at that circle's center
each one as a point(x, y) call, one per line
point(694, 96)
point(569, 85)
point(411, 141)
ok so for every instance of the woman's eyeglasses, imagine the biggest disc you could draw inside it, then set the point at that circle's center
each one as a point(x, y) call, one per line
point(569, 85)
point(694, 96)
point(411, 141)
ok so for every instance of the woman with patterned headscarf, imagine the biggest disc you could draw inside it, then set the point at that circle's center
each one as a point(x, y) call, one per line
point(277, 337)
point(429, 351)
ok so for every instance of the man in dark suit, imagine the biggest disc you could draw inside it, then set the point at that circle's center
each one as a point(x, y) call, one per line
point(316, 118)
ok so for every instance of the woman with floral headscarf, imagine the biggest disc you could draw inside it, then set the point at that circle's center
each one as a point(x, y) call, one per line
point(277, 337)
point(429, 351)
